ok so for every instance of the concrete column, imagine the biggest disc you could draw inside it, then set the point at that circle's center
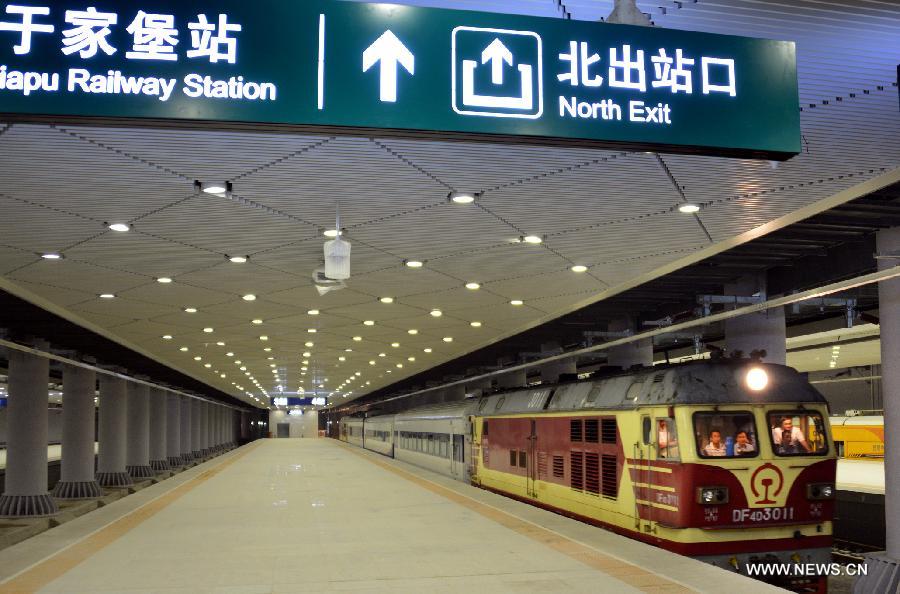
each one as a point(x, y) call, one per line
point(158, 430)
point(77, 479)
point(197, 429)
point(245, 426)
point(173, 430)
point(111, 471)
point(137, 454)
point(211, 429)
point(187, 443)
point(26, 446)
point(757, 331)
point(629, 355)
point(204, 430)
point(884, 568)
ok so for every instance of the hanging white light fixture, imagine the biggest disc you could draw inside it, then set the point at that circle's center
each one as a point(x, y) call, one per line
point(337, 254)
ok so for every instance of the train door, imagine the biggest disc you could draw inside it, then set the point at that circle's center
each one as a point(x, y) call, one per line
point(531, 462)
point(457, 456)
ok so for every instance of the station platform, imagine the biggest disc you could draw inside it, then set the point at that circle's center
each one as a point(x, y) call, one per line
point(316, 515)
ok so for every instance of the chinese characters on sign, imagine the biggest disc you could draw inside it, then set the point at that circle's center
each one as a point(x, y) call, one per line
point(348, 65)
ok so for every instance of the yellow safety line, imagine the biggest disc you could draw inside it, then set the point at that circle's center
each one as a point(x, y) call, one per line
point(56, 565)
point(629, 573)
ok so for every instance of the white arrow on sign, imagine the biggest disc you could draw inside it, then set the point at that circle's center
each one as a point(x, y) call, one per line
point(390, 51)
point(497, 53)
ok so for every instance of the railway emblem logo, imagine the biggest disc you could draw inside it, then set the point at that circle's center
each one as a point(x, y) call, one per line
point(767, 482)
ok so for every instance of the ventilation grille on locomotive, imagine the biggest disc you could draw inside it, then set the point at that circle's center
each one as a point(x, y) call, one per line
point(610, 488)
point(608, 430)
point(577, 471)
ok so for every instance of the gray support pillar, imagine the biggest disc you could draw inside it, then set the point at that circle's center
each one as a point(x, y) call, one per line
point(884, 568)
point(626, 356)
point(26, 446)
point(158, 430)
point(77, 479)
point(187, 444)
point(173, 430)
point(765, 330)
point(204, 429)
point(210, 429)
point(245, 426)
point(197, 429)
point(137, 454)
point(220, 429)
point(111, 470)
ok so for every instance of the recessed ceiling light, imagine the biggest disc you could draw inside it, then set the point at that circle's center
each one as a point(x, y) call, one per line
point(229, 354)
point(689, 208)
point(167, 337)
point(51, 256)
point(396, 345)
point(348, 350)
point(410, 358)
point(238, 362)
point(119, 227)
point(427, 350)
point(309, 345)
point(414, 263)
point(517, 302)
point(369, 323)
point(198, 358)
point(164, 280)
point(473, 286)
point(357, 338)
point(217, 188)
point(208, 330)
point(250, 297)
point(268, 349)
point(331, 233)
point(342, 358)
point(462, 197)
point(256, 322)
point(313, 312)
point(184, 349)
point(533, 239)
point(220, 343)
point(436, 313)
point(307, 354)
point(311, 330)
point(399, 365)
point(208, 365)
point(412, 331)
point(382, 354)
point(387, 300)
point(371, 362)
point(579, 268)
point(107, 296)
point(237, 259)
point(448, 339)
point(190, 310)
point(264, 338)
point(475, 324)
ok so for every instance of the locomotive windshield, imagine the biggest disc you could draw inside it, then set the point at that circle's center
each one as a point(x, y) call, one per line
point(798, 433)
point(725, 434)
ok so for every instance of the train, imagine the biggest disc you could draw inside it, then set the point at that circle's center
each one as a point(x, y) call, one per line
point(727, 461)
point(858, 436)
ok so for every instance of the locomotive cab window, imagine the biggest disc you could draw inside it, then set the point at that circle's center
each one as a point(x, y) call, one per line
point(797, 433)
point(725, 434)
point(666, 439)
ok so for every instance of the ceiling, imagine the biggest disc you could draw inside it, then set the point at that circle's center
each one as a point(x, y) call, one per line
point(611, 211)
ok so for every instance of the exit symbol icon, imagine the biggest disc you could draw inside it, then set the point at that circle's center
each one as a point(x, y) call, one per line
point(497, 73)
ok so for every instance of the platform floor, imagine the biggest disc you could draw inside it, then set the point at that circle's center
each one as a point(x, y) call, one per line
point(315, 515)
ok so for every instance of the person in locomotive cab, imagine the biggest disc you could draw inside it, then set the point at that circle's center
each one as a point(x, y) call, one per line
point(789, 439)
point(715, 447)
point(742, 444)
point(666, 440)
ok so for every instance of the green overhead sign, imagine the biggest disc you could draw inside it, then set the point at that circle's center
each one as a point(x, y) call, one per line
point(333, 65)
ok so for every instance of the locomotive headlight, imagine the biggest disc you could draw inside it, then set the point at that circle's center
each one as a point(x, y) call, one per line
point(820, 491)
point(712, 495)
point(757, 379)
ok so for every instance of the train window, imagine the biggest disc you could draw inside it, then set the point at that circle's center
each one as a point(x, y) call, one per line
point(513, 457)
point(523, 460)
point(594, 394)
point(482, 404)
point(666, 440)
point(798, 433)
point(645, 429)
point(725, 434)
point(500, 403)
point(484, 428)
point(634, 391)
